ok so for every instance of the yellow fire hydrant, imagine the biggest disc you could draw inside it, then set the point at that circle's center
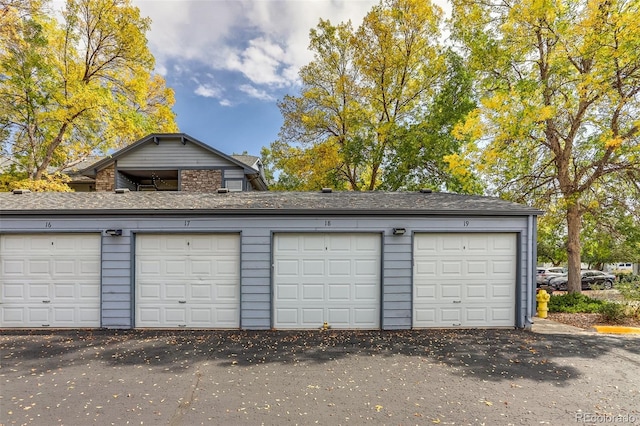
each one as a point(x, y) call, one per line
point(542, 298)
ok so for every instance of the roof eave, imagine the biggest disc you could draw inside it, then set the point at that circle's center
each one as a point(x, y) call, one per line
point(92, 169)
point(274, 211)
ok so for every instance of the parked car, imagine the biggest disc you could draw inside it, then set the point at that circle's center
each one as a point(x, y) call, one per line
point(590, 278)
point(544, 274)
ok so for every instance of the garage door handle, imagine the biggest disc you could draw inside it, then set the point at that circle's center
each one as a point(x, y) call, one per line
point(182, 301)
point(46, 301)
point(457, 301)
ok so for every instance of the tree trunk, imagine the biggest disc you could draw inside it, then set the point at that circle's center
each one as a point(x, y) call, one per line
point(574, 224)
point(46, 161)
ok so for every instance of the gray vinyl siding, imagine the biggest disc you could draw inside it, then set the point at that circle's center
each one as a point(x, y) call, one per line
point(117, 295)
point(164, 155)
point(397, 281)
point(255, 276)
point(233, 174)
point(256, 255)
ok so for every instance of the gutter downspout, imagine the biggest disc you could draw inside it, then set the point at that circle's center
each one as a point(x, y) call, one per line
point(529, 316)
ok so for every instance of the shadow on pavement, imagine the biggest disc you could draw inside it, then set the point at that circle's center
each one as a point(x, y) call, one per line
point(492, 355)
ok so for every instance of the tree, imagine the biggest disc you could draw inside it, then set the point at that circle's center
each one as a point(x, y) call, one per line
point(362, 88)
point(560, 83)
point(421, 154)
point(77, 87)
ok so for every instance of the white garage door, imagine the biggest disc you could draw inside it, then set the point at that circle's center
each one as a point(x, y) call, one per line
point(50, 280)
point(464, 280)
point(333, 278)
point(188, 281)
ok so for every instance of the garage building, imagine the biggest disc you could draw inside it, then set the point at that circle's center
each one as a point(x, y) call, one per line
point(263, 260)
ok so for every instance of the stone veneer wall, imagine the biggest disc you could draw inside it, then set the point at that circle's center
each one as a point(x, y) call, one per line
point(106, 178)
point(200, 180)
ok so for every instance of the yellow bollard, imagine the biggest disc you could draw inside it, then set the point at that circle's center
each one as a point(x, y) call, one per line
point(542, 298)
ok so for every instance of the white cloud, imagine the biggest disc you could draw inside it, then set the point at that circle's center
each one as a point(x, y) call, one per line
point(207, 91)
point(260, 62)
point(256, 93)
point(266, 41)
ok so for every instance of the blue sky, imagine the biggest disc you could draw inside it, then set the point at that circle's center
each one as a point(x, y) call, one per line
point(230, 61)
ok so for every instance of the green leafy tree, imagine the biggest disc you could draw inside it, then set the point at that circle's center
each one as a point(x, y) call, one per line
point(77, 87)
point(558, 121)
point(420, 153)
point(362, 99)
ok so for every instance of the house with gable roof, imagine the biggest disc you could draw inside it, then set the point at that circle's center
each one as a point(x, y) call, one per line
point(170, 162)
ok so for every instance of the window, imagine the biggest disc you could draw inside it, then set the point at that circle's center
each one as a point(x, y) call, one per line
point(234, 185)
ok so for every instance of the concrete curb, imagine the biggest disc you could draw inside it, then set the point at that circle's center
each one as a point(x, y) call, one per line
point(614, 329)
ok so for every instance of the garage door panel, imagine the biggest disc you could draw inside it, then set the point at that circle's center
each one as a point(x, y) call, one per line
point(226, 293)
point(287, 243)
point(38, 292)
point(426, 292)
point(502, 267)
point(477, 267)
point(450, 315)
point(476, 315)
point(340, 244)
point(313, 244)
point(200, 316)
point(450, 291)
point(338, 281)
point(426, 316)
point(425, 268)
point(366, 317)
point(14, 316)
point(482, 283)
point(13, 292)
point(313, 268)
point(205, 268)
point(476, 243)
point(451, 268)
point(89, 267)
point(175, 267)
point(313, 292)
point(149, 315)
point(367, 268)
point(175, 291)
point(502, 317)
point(339, 292)
point(504, 291)
point(310, 317)
point(426, 246)
point(287, 267)
point(148, 267)
point(175, 316)
point(149, 292)
point(366, 292)
point(49, 279)
point(338, 317)
point(13, 267)
point(204, 291)
point(451, 245)
point(287, 316)
point(287, 292)
point(339, 267)
point(367, 244)
point(65, 291)
point(476, 292)
point(41, 267)
point(194, 283)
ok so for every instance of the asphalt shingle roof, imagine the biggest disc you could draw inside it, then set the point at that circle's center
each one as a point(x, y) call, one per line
point(259, 202)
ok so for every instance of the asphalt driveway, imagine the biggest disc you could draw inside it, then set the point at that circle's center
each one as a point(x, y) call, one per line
point(493, 377)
